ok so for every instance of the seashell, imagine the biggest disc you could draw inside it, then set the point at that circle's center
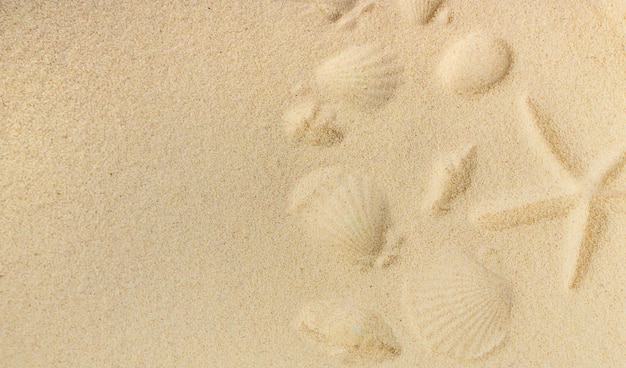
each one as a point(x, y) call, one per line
point(452, 176)
point(347, 330)
point(344, 211)
point(365, 76)
point(334, 9)
point(474, 63)
point(458, 307)
point(305, 122)
point(420, 11)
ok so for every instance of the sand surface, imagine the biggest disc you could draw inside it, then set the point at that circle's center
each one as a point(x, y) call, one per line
point(264, 184)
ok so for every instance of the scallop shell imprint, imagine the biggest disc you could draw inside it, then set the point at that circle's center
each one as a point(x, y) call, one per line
point(474, 63)
point(458, 307)
point(366, 76)
point(343, 210)
point(420, 11)
point(347, 330)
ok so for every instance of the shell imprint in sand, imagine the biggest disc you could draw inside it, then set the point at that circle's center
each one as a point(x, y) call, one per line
point(334, 9)
point(365, 76)
point(474, 63)
point(304, 122)
point(343, 210)
point(460, 308)
point(452, 176)
point(347, 330)
point(420, 11)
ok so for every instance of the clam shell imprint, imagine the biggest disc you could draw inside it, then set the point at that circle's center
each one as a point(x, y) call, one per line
point(474, 63)
point(458, 307)
point(343, 210)
point(364, 75)
point(347, 330)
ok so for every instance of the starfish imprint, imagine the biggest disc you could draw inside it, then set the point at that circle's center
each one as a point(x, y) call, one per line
point(585, 205)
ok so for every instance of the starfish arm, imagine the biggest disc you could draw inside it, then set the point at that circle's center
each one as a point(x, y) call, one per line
point(585, 226)
point(607, 170)
point(546, 141)
point(616, 201)
point(523, 213)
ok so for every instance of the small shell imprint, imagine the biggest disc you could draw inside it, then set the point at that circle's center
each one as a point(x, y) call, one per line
point(305, 122)
point(420, 11)
point(365, 76)
point(452, 176)
point(460, 308)
point(334, 9)
point(349, 331)
point(343, 210)
point(474, 63)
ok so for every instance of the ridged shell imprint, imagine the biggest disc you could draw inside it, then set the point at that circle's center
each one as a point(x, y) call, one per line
point(348, 330)
point(334, 9)
point(365, 76)
point(419, 11)
point(343, 210)
point(474, 63)
point(458, 307)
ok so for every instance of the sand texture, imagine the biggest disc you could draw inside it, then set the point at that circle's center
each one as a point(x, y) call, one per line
point(313, 183)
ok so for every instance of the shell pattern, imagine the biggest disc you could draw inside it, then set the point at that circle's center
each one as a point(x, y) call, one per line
point(347, 330)
point(365, 76)
point(458, 307)
point(343, 210)
point(419, 11)
point(474, 63)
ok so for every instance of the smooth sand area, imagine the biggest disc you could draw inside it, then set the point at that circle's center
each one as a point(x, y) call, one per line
point(313, 183)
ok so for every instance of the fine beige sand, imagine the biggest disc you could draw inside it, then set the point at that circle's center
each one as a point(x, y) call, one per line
point(300, 183)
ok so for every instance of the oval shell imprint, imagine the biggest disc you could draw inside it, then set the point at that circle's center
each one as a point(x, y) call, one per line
point(347, 330)
point(365, 76)
point(458, 307)
point(344, 211)
point(474, 63)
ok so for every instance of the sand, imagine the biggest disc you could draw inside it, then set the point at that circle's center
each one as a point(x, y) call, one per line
point(470, 209)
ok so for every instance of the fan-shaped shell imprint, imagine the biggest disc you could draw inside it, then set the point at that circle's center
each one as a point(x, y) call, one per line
point(458, 307)
point(420, 11)
point(365, 76)
point(474, 63)
point(348, 330)
point(343, 210)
